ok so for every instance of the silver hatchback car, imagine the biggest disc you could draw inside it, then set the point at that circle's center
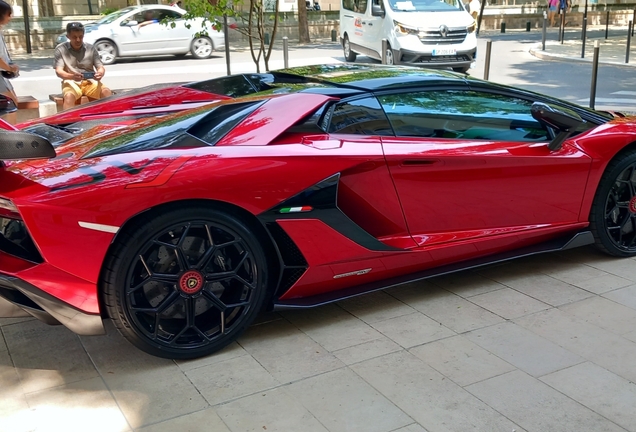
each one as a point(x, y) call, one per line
point(121, 35)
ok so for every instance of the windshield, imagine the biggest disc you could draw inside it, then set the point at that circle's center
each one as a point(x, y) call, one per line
point(425, 5)
point(112, 17)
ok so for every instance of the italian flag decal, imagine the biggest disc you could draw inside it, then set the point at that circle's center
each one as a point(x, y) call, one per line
point(296, 209)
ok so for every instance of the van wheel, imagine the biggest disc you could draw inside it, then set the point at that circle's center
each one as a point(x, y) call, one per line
point(350, 56)
point(389, 55)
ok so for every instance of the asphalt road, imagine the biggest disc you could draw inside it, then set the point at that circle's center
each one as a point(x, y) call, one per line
point(511, 64)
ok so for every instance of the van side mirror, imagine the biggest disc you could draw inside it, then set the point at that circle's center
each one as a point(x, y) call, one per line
point(376, 10)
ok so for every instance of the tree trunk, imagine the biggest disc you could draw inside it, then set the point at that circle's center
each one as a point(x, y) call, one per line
point(271, 40)
point(303, 25)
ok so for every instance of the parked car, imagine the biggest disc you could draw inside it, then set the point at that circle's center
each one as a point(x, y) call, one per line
point(181, 228)
point(119, 34)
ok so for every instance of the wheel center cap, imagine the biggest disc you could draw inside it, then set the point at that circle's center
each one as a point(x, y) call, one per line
point(191, 282)
point(632, 205)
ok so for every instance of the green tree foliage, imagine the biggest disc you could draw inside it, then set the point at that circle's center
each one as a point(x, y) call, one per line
point(253, 24)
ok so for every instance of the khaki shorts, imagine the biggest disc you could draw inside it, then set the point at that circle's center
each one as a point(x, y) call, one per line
point(90, 88)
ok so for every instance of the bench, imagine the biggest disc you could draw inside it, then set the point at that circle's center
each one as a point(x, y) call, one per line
point(28, 108)
point(59, 100)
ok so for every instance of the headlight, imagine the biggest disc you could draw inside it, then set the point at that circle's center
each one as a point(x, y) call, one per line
point(8, 205)
point(471, 28)
point(405, 30)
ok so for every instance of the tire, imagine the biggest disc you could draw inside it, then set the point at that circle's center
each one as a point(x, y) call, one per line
point(390, 60)
point(349, 55)
point(461, 69)
point(186, 282)
point(201, 47)
point(613, 214)
point(107, 51)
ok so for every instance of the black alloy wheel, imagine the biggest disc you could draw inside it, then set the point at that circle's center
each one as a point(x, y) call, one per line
point(613, 216)
point(186, 283)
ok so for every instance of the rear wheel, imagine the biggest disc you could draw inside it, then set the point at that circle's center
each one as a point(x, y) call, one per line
point(349, 55)
point(201, 47)
point(107, 51)
point(613, 215)
point(185, 283)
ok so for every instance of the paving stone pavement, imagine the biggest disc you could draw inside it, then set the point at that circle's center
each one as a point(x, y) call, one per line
point(545, 343)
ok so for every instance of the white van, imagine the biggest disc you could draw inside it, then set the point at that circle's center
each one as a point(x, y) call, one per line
point(430, 33)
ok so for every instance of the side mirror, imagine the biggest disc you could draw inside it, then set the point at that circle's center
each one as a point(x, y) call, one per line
point(130, 23)
point(563, 120)
point(24, 145)
point(376, 10)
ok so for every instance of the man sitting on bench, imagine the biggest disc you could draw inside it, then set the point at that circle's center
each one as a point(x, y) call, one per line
point(79, 66)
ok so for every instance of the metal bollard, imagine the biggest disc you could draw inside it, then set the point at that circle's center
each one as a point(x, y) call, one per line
point(487, 60)
point(606, 24)
point(633, 20)
point(583, 36)
point(562, 27)
point(266, 38)
point(285, 52)
point(527, 26)
point(334, 35)
point(594, 75)
point(543, 33)
point(629, 40)
point(385, 46)
point(503, 27)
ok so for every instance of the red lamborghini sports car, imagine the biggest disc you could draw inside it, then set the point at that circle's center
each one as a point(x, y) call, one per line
point(182, 228)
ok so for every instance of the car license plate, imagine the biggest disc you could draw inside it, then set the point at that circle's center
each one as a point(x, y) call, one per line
point(444, 51)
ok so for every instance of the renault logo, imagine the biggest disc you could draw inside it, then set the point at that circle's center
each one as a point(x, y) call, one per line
point(443, 30)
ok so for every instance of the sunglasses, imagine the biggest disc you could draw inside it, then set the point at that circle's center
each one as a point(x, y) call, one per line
point(75, 26)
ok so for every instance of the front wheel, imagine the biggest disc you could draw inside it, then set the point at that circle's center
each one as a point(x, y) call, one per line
point(107, 51)
point(349, 55)
point(201, 48)
point(389, 55)
point(613, 215)
point(186, 282)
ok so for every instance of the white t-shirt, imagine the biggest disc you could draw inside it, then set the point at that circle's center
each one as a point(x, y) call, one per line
point(474, 6)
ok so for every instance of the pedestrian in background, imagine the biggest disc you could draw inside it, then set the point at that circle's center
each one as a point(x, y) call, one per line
point(474, 7)
point(553, 5)
point(79, 66)
point(9, 70)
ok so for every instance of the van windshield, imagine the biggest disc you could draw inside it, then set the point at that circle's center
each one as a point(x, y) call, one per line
point(425, 5)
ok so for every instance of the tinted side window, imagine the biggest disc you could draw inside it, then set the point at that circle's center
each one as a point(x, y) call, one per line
point(360, 117)
point(465, 115)
point(359, 6)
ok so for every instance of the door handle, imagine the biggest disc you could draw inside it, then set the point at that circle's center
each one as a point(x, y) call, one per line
point(364, 22)
point(370, 23)
point(420, 162)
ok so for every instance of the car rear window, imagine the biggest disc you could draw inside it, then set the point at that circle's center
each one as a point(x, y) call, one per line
point(221, 120)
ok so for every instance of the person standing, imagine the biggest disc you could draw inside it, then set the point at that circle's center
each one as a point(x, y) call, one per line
point(553, 5)
point(79, 66)
point(474, 7)
point(8, 68)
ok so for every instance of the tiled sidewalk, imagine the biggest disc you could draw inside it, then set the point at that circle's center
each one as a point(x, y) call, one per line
point(542, 344)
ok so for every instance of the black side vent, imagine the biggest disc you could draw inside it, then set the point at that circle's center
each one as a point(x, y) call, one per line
point(15, 240)
point(290, 276)
point(294, 263)
point(288, 250)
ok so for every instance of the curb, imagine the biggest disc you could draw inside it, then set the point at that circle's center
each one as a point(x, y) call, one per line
point(545, 55)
